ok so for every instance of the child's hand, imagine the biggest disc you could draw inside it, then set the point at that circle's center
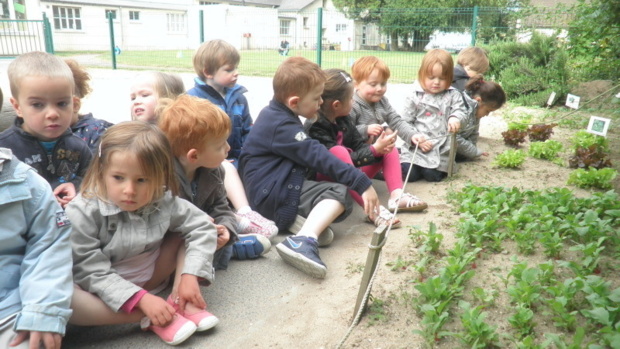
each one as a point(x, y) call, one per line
point(374, 130)
point(385, 142)
point(223, 235)
point(371, 202)
point(156, 309)
point(190, 292)
point(48, 340)
point(64, 193)
point(454, 125)
point(485, 153)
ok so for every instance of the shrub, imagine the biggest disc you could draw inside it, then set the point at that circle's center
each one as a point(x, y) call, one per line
point(529, 72)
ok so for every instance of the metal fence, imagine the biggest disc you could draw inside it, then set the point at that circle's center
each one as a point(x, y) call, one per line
point(333, 39)
point(19, 36)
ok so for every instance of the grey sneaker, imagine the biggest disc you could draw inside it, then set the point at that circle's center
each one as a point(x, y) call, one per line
point(302, 253)
point(326, 237)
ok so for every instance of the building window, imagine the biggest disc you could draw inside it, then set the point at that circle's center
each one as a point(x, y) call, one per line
point(67, 18)
point(113, 12)
point(207, 3)
point(341, 28)
point(176, 22)
point(285, 27)
point(134, 15)
point(305, 22)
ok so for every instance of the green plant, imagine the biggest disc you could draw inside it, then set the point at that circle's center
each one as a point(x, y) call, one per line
point(376, 311)
point(585, 139)
point(592, 178)
point(522, 320)
point(478, 334)
point(399, 264)
point(486, 298)
point(432, 322)
point(431, 240)
point(547, 150)
point(510, 158)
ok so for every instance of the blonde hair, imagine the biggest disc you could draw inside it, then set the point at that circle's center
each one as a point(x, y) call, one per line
point(212, 55)
point(296, 76)
point(80, 77)
point(363, 67)
point(168, 85)
point(37, 63)
point(436, 56)
point(474, 57)
point(190, 122)
point(147, 143)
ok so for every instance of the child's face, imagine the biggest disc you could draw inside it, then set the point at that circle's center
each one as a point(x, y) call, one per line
point(372, 88)
point(483, 109)
point(143, 99)
point(214, 152)
point(309, 105)
point(127, 187)
point(225, 77)
point(46, 105)
point(434, 82)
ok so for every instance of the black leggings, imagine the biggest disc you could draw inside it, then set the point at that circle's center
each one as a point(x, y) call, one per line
point(419, 172)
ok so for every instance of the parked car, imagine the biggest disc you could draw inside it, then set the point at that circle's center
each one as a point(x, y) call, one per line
point(449, 41)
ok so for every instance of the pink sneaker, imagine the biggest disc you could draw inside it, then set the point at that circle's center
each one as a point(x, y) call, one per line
point(177, 331)
point(199, 317)
point(253, 223)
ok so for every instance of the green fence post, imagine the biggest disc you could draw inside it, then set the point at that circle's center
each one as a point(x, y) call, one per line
point(47, 35)
point(474, 26)
point(319, 34)
point(201, 24)
point(112, 45)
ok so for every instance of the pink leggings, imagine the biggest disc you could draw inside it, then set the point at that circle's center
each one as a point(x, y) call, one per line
point(390, 165)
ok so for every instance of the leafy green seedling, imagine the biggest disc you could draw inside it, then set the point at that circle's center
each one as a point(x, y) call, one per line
point(547, 150)
point(510, 158)
point(593, 178)
point(478, 334)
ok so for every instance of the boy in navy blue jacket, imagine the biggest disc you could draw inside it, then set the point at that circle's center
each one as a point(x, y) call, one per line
point(277, 157)
point(42, 89)
point(215, 63)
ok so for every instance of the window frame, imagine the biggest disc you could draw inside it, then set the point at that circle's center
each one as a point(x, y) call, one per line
point(176, 23)
point(285, 30)
point(133, 17)
point(72, 18)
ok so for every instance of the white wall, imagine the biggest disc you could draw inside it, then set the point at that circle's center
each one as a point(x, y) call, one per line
point(230, 23)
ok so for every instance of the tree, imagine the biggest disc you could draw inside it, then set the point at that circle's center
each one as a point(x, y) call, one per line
point(417, 19)
point(593, 35)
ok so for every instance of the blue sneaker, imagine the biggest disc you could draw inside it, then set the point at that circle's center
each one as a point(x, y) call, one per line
point(302, 253)
point(250, 246)
point(326, 237)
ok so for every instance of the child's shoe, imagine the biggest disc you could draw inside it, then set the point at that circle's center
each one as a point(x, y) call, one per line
point(250, 246)
point(176, 332)
point(384, 217)
point(326, 237)
point(302, 253)
point(407, 203)
point(200, 318)
point(253, 223)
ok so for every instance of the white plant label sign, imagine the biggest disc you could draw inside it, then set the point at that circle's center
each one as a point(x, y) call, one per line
point(572, 101)
point(551, 99)
point(598, 125)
